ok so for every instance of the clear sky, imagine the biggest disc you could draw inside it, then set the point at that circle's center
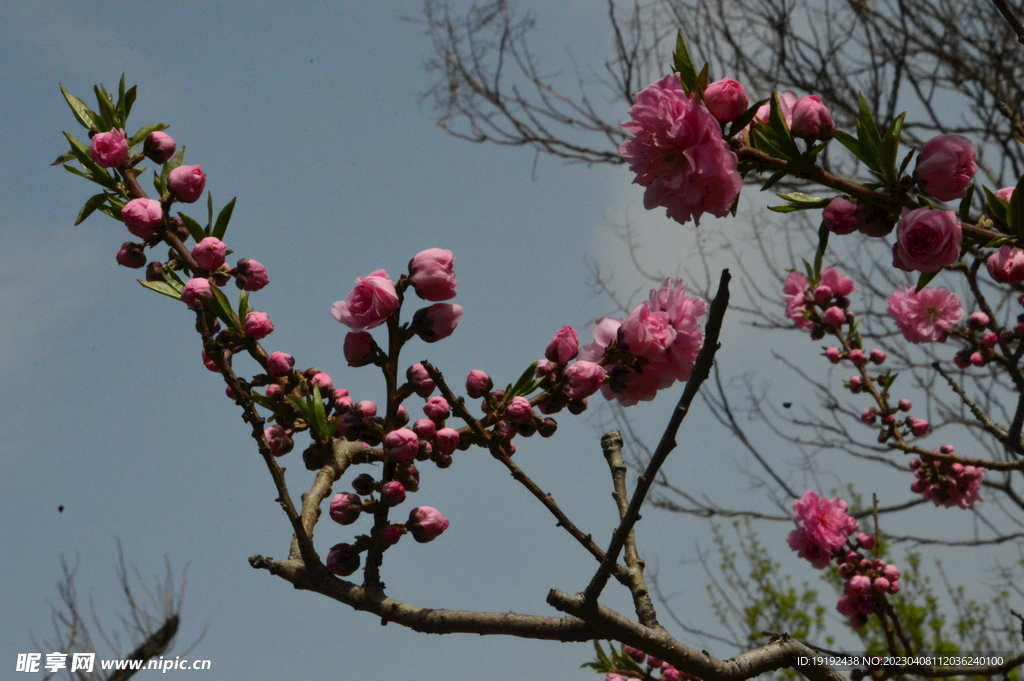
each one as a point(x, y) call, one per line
point(311, 114)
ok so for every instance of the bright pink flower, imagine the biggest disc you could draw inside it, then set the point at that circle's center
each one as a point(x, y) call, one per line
point(437, 408)
point(837, 283)
point(822, 528)
point(926, 316)
point(679, 155)
point(402, 444)
point(195, 288)
point(372, 301)
point(187, 182)
point(1006, 265)
point(795, 293)
point(519, 410)
point(811, 119)
point(787, 99)
point(109, 149)
point(280, 363)
point(726, 99)
point(606, 330)
point(682, 312)
point(563, 346)
point(834, 317)
point(447, 440)
point(840, 215)
point(426, 524)
point(142, 217)
point(358, 348)
point(927, 240)
point(431, 274)
point(159, 147)
point(258, 325)
point(437, 322)
point(648, 334)
point(946, 166)
point(345, 508)
point(209, 253)
point(252, 276)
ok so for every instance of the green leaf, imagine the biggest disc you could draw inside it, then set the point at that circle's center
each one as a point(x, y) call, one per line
point(63, 158)
point(262, 401)
point(964, 210)
point(525, 379)
point(129, 101)
point(702, 83)
point(770, 182)
point(867, 131)
point(142, 133)
point(906, 162)
point(76, 171)
point(83, 114)
point(209, 213)
point(119, 107)
point(801, 199)
point(172, 163)
point(92, 204)
point(999, 209)
point(856, 148)
point(923, 280)
point(219, 304)
point(820, 253)
point(744, 120)
point(1016, 221)
point(223, 218)
point(108, 117)
point(682, 64)
point(243, 305)
point(888, 149)
point(319, 424)
point(162, 287)
point(194, 230)
point(777, 123)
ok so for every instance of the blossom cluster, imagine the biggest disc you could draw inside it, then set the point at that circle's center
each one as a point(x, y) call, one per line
point(866, 581)
point(820, 307)
point(946, 483)
point(822, 528)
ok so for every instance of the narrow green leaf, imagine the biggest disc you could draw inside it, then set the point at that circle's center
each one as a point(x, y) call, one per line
point(83, 114)
point(142, 133)
point(119, 107)
point(96, 173)
point(209, 213)
point(888, 149)
point(702, 83)
point(262, 401)
point(1016, 221)
point(110, 211)
point(525, 379)
point(162, 287)
point(866, 128)
point(773, 179)
point(129, 101)
point(92, 204)
point(906, 162)
point(108, 117)
point(319, 416)
point(965, 204)
point(223, 218)
point(856, 147)
point(172, 163)
point(999, 209)
point(194, 230)
point(219, 305)
point(777, 123)
point(923, 280)
point(820, 253)
point(76, 171)
point(801, 199)
point(63, 158)
point(682, 64)
point(744, 120)
point(787, 208)
point(243, 305)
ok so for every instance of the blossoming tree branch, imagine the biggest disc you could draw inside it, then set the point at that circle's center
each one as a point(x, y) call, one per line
point(693, 143)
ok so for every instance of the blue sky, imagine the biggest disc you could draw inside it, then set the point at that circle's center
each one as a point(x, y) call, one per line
point(311, 115)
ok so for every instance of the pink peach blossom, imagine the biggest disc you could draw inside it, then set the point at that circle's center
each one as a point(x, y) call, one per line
point(370, 303)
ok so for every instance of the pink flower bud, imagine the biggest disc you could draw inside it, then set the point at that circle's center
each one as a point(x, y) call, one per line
point(978, 320)
point(927, 240)
point(391, 534)
point(364, 483)
point(258, 325)
point(209, 253)
point(358, 348)
point(869, 416)
point(421, 381)
point(274, 392)
point(671, 674)
point(891, 572)
point(195, 288)
point(431, 274)
point(280, 363)
point(322, 380)
point(881, 585)
point(447, 441)
point(437, 408)
point(142, 217)
point(159, 147)
point(278, 440)
point(858, 358)
point(209, 363)
point(109, 149)
point(822, 295)
point(402, 444)
point(370, 303)
point(834, 317)
point(187, 183)
point(834, 355)
point(393, 493)
point(878, 356)
point(918, 427)
point(840, 215)
point(425, 429)
point(858, 584)
point(1006, 265)
point(366, 409)
point(345, 508)
point(990, 339)
point(251, 276)
point(583, 379)
point(131, 255)
point(905, 405)
point(654, 662)
point(426, 524)
point(962, 359)
point(478, 384)
point(978, 359)
point(563, 346)
point(811, 119)
point(865, 541)
point(856, 383)
point(635, 653)
point(726, 100)
point(402, 416)
point(519, 410)
point(343, 560)
point(946, 166)
point(437, 322)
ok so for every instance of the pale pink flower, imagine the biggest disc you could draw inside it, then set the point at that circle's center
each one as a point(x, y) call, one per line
point(563, 346)
point(583, 379)
point(432, 275)
point(946, 166)
point(679, 155)
point(196, 288)
point(926, 316)
point(209, 253)
point(927, 240)
point(370, 303)
point(836, 283)
point(1006, 193)
point(795, 293)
